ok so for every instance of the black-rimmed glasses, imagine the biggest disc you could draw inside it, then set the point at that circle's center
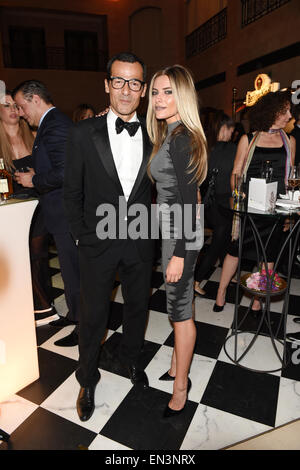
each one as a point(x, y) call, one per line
point(119, 82)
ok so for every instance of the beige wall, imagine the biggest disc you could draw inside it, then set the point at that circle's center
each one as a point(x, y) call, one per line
point(199, 11)
point(70, 88)
point(273, 31)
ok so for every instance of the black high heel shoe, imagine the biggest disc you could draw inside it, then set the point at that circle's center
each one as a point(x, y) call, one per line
point(218, 308)
point(167, 377)
point(169, 412)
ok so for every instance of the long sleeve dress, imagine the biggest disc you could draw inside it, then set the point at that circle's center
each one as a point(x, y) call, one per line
point(177, 208)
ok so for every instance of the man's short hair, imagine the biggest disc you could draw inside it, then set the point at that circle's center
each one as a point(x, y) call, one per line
point(126, 57)
point(34, 87)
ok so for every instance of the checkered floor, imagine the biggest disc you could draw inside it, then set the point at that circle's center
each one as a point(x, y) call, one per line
point(227, 403)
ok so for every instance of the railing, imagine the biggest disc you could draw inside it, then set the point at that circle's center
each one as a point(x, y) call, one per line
point(208, 34)
point(40, 57)
point(252, 10)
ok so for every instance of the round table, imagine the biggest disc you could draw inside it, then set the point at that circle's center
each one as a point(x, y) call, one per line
point(240, 342)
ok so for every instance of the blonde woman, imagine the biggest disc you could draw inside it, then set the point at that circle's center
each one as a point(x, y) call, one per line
point(178, 165)
point(16, 139)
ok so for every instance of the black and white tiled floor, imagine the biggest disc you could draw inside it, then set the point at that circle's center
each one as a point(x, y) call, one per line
point(227, 403)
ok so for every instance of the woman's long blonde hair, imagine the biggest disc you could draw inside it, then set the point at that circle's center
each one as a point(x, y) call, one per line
point(6, 149)
point(186, 100)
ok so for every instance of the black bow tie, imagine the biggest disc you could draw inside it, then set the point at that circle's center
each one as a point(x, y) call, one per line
point(131, 127)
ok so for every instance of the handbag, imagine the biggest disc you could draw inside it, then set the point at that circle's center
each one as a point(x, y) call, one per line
point(210, 194)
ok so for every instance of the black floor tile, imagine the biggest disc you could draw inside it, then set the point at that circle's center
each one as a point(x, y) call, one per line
point(56, 292)
point(158, 301)
point(294, 305)
point(43, 333)
point(292, 370)
point(54, 370)
point(53, 271)
point(251, 395)
point(43, 430)
point(142, 410)
point(157, 279)
point(209, 341)
point(250, 322)
point(110, 359)
point(116, 316)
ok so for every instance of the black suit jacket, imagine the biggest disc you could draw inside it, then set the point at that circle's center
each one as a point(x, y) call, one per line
point(296, 133)
point(91, 179)
point(49, 150)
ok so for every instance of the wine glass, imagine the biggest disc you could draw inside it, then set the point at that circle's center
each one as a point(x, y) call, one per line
point(294, 178)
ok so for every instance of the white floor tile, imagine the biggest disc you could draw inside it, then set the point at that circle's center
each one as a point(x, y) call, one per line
point(103, 443)
point(200, 372)
point(14, 411)
point(288, 407)
point(262, 348)
point(110, 391)
point(204, 313)
point(213, 429)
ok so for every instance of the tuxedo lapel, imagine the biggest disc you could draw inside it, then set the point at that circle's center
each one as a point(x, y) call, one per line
point(143, 168)
point(101, 141)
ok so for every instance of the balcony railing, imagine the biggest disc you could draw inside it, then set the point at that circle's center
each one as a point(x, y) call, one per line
point(40, 57)
point(208, 34)
point(252, 10)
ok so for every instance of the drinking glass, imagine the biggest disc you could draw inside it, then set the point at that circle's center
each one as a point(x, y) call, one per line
point(294, 178)
point(238, 186)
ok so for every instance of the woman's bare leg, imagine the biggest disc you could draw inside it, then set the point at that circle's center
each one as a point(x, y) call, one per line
point(185, 338)
point(229, 268)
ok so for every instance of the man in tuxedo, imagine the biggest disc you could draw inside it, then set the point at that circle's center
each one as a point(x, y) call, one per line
point(106, 165)
point(47, 176)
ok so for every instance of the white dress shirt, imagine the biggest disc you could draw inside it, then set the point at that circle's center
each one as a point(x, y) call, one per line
point(127, 152)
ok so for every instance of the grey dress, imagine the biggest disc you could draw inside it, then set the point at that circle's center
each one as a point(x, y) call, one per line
point(176, 203)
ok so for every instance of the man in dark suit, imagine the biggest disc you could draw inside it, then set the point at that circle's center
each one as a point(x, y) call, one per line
point(106, 168)
point(47, 176)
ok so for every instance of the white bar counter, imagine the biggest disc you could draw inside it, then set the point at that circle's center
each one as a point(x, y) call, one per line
point(18, 347)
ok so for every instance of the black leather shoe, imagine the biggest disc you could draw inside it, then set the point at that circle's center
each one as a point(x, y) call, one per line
point(138, 376)
point(169, 412)
point(166, 376)
point(218, 308)
point(61, 322)
point(86, 402)
point(70, 340)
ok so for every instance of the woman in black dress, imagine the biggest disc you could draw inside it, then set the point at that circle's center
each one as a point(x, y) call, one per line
point(268, 117)
point(221, 154)
point(16, 140)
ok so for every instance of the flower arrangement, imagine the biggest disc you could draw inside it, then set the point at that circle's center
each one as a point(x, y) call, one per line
point(258, 281)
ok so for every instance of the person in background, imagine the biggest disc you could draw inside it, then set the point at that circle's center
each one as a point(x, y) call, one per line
point(221, 154)
point(16, 141)
point(47, 177)
point(238, 131)
point(178, 165)
point(83, 111)
point(296, 131)
point(268, 117)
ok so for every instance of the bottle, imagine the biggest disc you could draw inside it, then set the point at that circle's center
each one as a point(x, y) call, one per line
point(267, 171)
point(6, 185)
